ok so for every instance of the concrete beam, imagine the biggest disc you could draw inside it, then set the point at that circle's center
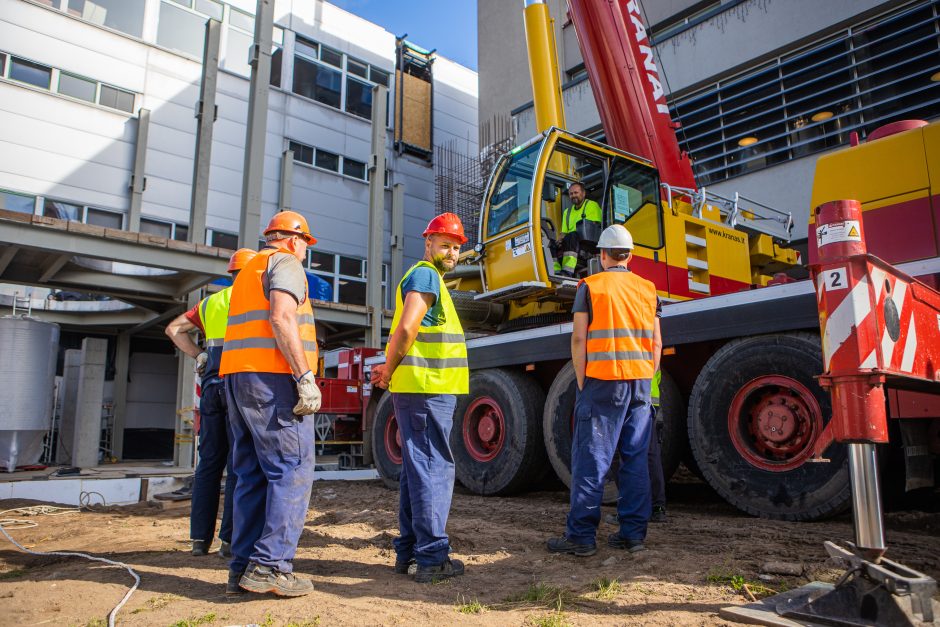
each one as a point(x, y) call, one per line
point(205, 114)
point(50, 269)
point(7, 257)
point(86, 439)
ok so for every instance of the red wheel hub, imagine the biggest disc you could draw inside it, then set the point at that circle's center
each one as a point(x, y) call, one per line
point(484, 429)
point(774, 422)
point(392, 440)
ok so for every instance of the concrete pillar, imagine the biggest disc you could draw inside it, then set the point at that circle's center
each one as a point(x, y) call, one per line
point(138, 178)
point(122, 353)
point(396, 271)
point(185, 403)
point(205, 114)
point(87, 437)
point(376, 217)
point(68, 391)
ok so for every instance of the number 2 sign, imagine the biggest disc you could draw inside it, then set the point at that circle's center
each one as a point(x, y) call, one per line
point(835, 279)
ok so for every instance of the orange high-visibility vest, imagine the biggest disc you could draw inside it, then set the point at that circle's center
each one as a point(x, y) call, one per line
point(620, 335)
point(249, 337)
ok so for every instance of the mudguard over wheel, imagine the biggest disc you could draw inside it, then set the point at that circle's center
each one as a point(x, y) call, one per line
point(386, 442)
point(497, 434)
point(755, 414)
point(557, 425)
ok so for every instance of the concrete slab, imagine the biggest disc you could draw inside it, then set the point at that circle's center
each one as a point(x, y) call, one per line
point(764, 612)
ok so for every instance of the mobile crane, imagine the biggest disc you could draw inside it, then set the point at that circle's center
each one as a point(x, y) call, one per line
point(739, 388)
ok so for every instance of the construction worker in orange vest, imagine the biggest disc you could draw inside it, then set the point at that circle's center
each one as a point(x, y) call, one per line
point(425, 367)
point(268, 358)
point(210, 315)
point(615, 349)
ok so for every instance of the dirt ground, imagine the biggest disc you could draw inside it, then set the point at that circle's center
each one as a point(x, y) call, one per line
point(693, 566)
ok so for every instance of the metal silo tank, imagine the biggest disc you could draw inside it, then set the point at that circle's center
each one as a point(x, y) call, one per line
point(28, 350)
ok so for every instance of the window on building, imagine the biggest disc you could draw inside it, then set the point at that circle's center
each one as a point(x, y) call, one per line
point(359, 98)
point(62, 210)
point(353, 168)
point(242, 20)
point(3, 64)
point(326, 160)
point(378, 76)
point(302, 153)
point(809, 100)
point(116, 98)
point(210, 8)
point(347, 276)
point(29, 72)
point(161, 228)
point(77, 87)
point(318, 82)
point(277, 59)
point(324, 262)
point(358, 68)
point(126, 16)
point(108, 219)
point(222, 239)
point(328, 55)
point(20, 203)
point(181, 30)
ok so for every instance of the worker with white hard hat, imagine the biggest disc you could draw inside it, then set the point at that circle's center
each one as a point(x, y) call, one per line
point(615, 349)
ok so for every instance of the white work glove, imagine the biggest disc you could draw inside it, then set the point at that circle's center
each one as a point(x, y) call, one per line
point(309, 393)
point(201, 360)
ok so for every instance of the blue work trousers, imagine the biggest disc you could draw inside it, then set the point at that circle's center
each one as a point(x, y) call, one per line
point(273, 460)
point(214, 457)
point(427, 476)
point(610, 417)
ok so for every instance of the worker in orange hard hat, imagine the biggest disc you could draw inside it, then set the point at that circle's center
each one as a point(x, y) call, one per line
point(268, 362)
point(425, 368)
point(210, 316)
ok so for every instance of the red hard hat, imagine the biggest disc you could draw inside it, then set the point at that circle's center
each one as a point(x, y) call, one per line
point(446, 224)
point(291, 222)
point(240, 258)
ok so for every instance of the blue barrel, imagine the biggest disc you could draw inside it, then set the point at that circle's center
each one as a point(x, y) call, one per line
point(319, 288)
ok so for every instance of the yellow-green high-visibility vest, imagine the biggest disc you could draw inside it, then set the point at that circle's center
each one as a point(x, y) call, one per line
point(436, 363)
point(213, 313)
point(587, 210)
point(654, 388)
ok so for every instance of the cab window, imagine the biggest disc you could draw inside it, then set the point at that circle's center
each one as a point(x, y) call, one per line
point(512, 193)
point(633, 200)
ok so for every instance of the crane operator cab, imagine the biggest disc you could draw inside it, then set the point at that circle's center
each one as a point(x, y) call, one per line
point(546, 204)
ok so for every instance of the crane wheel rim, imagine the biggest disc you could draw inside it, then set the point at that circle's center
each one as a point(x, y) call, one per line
point(484, 429)
point(392, 439)
point(774, 422)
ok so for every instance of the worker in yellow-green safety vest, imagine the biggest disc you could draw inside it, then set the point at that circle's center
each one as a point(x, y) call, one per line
point(654, 456)
point(582, 208)
point(210, 316)
point(425, 367)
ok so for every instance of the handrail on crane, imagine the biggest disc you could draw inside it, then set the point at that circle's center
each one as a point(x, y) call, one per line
point(750, 214)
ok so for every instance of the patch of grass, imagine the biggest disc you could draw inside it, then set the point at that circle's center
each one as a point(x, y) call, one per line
point(470, 607)
point(12, 574)
point(97, 622)
point(193, 622)
point(307, 623)
point(606, 588)
point(738, 583)
point(268, 621)
point(542, 594)
point(157, 602)
point(555, 619)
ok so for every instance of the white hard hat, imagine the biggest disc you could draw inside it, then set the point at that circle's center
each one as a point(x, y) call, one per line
point(615, 236)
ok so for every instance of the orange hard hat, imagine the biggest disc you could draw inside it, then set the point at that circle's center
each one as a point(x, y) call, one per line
point(446, 224)
point(291, 222)
point(240, 259)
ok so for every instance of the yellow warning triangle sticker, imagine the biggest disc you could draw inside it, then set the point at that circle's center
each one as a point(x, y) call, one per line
point(853, 232)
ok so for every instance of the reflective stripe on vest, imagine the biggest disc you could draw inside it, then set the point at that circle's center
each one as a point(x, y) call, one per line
point(620, 335)
point(436, 363)
point(249, 337)
point(213, 314)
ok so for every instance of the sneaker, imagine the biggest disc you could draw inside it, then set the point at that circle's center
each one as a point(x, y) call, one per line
point(226, 549)
point(261, 579)
point(445, 570)
point(406, 567)
point(232, 588)
point(633, 546)
point(201, 547)
point(564, 545)
point(659, 514)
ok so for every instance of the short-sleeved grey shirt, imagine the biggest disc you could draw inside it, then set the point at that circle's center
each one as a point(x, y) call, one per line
point(286, 274)
point(582, 299)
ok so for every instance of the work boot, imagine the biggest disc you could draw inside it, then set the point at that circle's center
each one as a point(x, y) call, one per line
point(406, 567)
point(261, 579)
point(445, 570)
point(232, 588)
point(615, 541)
point(564, 545)
point(201, 547)
point(659, 514)
point(226, 549)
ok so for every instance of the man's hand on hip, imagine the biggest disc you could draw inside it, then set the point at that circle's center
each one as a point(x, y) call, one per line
point(309, 393)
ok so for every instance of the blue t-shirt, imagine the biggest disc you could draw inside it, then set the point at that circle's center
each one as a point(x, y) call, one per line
point(427, 281)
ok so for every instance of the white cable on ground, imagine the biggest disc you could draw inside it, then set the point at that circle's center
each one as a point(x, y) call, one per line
point(49, 510)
